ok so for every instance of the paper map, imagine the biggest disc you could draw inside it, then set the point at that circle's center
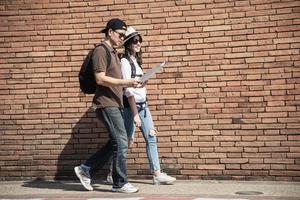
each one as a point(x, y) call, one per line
point(152, 71)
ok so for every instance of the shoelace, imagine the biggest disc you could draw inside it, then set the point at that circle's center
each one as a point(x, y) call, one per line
point(86, 174)
point(128, 185)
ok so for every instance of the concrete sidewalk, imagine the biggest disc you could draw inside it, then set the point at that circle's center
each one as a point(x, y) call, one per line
point(182, 189)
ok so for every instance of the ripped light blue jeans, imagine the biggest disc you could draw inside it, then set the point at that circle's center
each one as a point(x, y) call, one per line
point(147, 129)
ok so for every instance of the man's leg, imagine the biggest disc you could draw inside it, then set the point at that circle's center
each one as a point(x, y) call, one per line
point(98, 159)
point(101, 157)
point(113, 119)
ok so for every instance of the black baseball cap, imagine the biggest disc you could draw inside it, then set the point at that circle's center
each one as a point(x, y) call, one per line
point(114, 24)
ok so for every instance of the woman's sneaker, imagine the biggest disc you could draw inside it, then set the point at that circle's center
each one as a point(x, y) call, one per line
point(84, 177)
point(163, 179)
point(127, 188)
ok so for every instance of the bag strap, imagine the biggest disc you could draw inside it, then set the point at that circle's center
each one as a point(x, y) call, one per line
point(108, 56)
point(133, 70)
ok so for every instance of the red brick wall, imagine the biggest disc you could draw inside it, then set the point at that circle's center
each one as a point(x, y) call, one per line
point(227, 106)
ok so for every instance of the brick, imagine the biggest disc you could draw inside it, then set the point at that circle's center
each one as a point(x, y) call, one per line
point(203, 167)
point(217, 28)
point(185, 149)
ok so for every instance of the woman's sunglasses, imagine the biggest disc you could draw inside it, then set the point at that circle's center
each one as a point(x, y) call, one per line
point(136, 40)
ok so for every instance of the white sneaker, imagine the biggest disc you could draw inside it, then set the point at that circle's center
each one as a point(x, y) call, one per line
point(127, 188)
point(163, 178)
point(84, 177)
point(109, 179)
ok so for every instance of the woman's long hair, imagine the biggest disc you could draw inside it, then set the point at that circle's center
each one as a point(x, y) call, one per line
point(128, 52)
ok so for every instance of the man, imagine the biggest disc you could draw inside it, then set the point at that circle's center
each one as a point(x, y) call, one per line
point(108, 101)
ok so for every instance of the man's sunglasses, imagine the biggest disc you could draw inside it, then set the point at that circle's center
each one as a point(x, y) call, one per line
point(121, 35)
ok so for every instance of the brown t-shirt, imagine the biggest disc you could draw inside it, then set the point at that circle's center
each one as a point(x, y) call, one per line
point(107, 96)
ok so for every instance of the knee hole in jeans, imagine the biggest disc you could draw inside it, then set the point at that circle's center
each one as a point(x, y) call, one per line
point(152, 132)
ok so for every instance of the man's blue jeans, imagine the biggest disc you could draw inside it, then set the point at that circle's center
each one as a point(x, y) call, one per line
point(113, 119)
point(148, 131)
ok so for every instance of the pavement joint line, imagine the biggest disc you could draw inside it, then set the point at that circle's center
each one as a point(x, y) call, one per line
point(128, 198)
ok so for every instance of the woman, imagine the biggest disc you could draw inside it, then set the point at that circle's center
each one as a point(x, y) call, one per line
point(136, 111)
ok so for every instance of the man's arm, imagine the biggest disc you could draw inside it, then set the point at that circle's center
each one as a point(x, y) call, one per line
point(102, 79)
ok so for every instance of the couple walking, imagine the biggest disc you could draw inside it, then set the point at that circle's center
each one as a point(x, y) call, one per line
point(118, 81)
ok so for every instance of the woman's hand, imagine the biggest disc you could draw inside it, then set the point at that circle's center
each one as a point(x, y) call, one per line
point(144, 83)
point(130, 142)
point(137, 120)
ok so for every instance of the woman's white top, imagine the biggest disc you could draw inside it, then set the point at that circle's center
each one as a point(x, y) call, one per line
point(138, 93)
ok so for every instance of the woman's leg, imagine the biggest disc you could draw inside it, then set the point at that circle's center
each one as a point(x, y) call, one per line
point(149, 134)
point(129, 125)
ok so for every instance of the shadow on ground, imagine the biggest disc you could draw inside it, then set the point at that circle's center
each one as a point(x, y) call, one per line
point(61, 185)
point(88, 136)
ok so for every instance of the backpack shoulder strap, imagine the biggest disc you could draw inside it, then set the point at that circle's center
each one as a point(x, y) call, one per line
point(108, 56)
point(133, 70)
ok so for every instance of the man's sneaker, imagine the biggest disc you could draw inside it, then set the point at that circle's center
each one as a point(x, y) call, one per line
point(163, 178)
point(84, 177)
point(127, 188)
point(109, 179)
